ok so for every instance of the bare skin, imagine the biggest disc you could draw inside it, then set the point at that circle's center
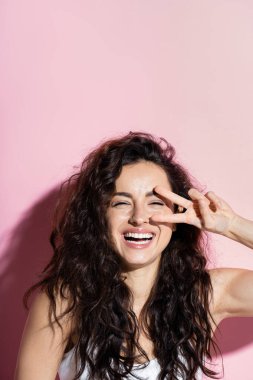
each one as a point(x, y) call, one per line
point(211, 213)
point(136, 207)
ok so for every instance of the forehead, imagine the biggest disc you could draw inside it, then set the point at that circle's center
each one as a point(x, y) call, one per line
point(141, 176)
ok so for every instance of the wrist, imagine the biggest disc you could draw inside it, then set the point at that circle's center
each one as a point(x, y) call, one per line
point(233, 225)
point(240, 230)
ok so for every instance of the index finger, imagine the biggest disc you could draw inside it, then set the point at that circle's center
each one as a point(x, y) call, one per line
point(173, 197)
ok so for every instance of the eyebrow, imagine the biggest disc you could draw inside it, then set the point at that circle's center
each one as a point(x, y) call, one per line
point(128, 195)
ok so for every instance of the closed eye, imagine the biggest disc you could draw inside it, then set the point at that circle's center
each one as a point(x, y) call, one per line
point(115, 204)
point(157, 203)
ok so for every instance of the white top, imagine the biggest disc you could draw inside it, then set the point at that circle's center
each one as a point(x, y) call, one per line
point(67, 369)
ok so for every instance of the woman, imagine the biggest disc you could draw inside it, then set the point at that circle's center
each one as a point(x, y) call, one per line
point(127, 293)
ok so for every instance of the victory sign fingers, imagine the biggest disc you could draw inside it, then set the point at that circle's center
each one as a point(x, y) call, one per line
point(172, 199)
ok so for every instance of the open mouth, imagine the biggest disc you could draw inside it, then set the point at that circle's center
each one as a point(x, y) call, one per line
point(138, 238)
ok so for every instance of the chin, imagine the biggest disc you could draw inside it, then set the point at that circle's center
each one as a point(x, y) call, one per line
point(137, 263)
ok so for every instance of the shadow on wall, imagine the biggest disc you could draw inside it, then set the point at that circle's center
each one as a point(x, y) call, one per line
point(234, 333)
point(28, 252)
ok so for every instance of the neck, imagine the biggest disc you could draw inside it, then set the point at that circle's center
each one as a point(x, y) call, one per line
point(140, 281)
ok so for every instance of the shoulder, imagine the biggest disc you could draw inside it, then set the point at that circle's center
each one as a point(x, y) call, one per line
point(44, 340)
point(42, 309)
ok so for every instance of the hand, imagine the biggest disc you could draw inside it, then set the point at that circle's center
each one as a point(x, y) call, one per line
point(208, 212)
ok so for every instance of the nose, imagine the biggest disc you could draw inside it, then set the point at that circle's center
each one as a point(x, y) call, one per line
point(139, 217)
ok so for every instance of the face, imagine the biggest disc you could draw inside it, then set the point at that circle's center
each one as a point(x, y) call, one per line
point(137, 239)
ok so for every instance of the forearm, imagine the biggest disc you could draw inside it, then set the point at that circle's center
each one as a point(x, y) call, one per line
point(241, 230)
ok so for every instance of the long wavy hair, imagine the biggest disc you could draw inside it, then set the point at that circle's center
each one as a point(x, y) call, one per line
point(86, 269)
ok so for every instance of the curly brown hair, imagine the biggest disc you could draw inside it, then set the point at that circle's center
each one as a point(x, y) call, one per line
point(176, 315)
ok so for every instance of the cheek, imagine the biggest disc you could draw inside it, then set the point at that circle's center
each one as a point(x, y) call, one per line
point(162, 211)
point(115, 221)
point(168, 210)
point(166, 233)
point(166, 230)
point(117, 217)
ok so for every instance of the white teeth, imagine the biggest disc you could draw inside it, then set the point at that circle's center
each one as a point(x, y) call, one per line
point(138, 236)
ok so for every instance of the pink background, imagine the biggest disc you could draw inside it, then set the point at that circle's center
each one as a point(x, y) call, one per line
point(75, 72)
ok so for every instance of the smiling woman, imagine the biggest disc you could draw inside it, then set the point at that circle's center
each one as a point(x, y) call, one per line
point(127, 294)
point(134, 202)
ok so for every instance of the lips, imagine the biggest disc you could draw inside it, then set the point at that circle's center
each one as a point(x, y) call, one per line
point(138, 238)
